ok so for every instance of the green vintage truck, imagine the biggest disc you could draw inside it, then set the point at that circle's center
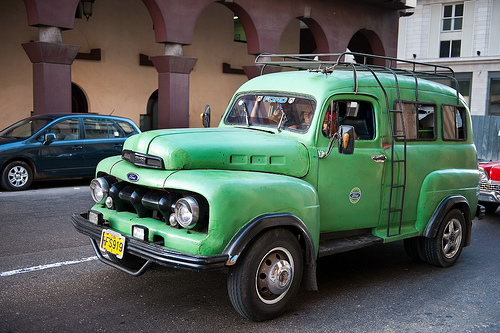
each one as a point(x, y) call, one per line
point(324, 156)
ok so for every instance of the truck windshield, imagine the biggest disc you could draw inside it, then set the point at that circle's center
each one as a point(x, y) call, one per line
point(279, 111)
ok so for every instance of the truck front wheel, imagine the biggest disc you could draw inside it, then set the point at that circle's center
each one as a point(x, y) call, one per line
point(266, 278)
point(445, 248)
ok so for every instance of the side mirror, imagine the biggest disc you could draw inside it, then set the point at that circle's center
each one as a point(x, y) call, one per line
point(346, 140)
point(205, 117)
point(48, 138)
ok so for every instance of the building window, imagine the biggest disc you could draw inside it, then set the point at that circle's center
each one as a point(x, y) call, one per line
point(450, 48)
point(453, 16)
point(494, 98)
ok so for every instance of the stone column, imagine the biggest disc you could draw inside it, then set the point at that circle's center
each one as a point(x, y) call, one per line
point(173, 87)
point(51, 71)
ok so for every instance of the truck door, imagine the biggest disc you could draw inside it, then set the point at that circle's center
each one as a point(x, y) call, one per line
point(350, 187)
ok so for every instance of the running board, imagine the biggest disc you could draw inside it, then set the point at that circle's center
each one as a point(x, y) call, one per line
point(333, 246)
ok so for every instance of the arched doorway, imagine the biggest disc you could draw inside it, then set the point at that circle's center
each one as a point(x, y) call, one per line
point(149, 121)
point(307, 44)
point(79, 102)
point(368, 42)
point(303, 36)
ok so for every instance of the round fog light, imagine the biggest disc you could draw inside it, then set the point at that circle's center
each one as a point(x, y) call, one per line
point(172, 220)
point(109, 202)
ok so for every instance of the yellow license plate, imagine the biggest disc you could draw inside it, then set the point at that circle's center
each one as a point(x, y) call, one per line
point(112, 242)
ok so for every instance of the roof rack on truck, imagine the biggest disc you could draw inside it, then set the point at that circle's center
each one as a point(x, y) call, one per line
point(328, 62)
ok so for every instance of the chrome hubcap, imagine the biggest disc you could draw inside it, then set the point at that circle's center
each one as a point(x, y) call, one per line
point(275, 275)
point(18, 176)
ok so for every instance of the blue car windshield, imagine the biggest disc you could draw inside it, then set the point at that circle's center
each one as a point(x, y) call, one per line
point(25, 128)
point(282, 111)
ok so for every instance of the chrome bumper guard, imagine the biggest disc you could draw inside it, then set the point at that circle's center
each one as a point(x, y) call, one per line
point(489, 196)
point(153, 253)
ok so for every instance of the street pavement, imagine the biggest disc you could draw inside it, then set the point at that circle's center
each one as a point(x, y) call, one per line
point(50, 281)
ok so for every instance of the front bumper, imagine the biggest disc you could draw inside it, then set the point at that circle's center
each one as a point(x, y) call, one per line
point(489, 196)
point(489, 191)
point(153, 253)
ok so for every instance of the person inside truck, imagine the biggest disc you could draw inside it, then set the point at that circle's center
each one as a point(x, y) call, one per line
point(330, 122)
point(356, 114)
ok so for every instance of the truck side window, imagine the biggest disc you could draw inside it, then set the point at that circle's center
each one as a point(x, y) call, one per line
point(453, 122)
point(419, 121)
point(354, 113)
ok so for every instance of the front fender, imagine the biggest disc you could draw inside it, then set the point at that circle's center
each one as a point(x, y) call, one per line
point(237, 197)
point(257, 226)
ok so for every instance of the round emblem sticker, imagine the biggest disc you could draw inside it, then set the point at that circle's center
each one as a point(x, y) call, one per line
point(133, 177)
point(355, 195)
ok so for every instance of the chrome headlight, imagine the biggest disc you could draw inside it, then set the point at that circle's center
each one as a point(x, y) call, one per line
point(99, 189)
point(187, 212)
point(483, 176)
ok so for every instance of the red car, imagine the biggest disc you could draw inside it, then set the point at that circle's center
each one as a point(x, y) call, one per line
point(489, 194)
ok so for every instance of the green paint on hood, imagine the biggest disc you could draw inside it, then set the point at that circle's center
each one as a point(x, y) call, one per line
point(224, 149)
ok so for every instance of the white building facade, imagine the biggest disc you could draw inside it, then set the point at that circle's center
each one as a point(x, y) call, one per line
point(464, 35)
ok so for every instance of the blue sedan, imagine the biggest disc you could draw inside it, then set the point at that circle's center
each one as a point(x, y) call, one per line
point(59, 146)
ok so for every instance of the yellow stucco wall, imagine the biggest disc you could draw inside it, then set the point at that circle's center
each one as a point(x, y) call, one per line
point(16, 77)
point(122, 29)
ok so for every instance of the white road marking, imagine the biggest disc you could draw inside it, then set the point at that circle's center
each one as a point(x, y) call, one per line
point(42, 267)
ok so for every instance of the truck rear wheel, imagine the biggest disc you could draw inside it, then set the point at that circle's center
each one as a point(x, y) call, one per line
point(266, 278)
point(445, 248)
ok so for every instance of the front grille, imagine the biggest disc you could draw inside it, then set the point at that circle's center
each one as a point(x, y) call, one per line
point(489, 186)
point(154, 203)
point(143, 201)
point(143, 160)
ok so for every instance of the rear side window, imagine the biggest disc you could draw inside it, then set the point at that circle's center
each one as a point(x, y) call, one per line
point(126, 127)
point(454, 122)
point(419, 121)
point(96, 128)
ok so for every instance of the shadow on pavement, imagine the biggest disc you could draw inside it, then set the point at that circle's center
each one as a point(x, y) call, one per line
point(79, 182)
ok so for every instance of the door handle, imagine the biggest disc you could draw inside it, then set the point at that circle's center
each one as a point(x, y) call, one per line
point(379, 158)
point(118, 145)
point(77, 147)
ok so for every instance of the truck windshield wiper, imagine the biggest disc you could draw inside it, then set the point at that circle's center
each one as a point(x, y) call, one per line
point(283, 119)
point(256, 129)
point(245, 111)
point(247, 117)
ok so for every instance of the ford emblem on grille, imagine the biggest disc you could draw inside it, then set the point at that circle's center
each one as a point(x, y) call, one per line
point(133, 177)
